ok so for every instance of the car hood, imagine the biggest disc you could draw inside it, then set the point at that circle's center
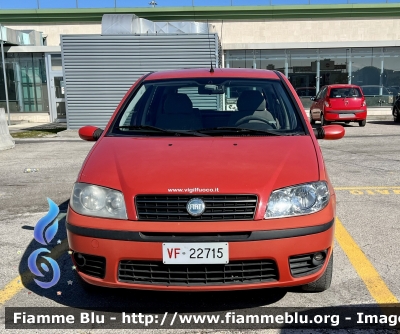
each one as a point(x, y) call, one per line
point(170, 165)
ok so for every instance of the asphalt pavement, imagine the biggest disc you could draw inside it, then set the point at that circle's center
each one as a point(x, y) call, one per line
point(364, 170)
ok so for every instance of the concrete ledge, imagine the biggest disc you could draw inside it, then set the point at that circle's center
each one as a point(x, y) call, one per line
point(384, 111)
point(380, 118)
point(68, 134)
point(380, 114)
point(6, 141)
point(31, 117)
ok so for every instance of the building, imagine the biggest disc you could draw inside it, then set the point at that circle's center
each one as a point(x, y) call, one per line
point(313, 45)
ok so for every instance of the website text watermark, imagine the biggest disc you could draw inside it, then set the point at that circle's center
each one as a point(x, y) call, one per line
point(193, 190)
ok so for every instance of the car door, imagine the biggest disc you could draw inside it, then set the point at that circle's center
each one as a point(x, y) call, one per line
point(316, 107)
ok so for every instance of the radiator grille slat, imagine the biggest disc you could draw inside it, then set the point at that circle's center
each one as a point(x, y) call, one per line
point(218, 207)
point(236, 272)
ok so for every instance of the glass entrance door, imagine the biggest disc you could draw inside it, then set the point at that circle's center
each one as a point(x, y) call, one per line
point(58, 91)
point(56, 88)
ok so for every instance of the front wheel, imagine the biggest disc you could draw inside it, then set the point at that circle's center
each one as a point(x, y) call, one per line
point(362, 123)
point(324, 282)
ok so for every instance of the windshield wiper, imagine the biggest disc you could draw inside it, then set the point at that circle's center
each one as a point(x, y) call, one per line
point(231, 129)
point(154, 128)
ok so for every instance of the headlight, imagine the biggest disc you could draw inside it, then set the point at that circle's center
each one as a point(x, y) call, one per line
point(91, 200)
point(297, 200)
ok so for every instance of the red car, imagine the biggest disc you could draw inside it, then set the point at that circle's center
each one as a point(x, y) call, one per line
point(339, 103)
point(179, 193)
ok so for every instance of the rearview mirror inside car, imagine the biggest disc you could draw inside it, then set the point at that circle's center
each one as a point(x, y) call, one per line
point(312, 98)
point(211, 89)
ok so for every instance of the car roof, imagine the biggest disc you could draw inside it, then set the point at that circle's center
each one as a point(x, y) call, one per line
point(218, 72)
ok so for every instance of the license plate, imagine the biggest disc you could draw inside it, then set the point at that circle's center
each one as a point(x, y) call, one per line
point(347, 115)
point(195, 253)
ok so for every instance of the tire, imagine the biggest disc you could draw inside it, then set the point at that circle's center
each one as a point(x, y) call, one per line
point(396, 118)
point(362, 123)
point(347, 122)
point(324, 121)
point(312, 121)
point(324, 282)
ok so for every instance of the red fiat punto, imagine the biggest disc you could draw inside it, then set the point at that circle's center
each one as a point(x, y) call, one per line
point(181, 193)
point(339, 103)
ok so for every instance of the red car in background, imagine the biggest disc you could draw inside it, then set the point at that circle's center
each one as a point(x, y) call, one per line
point(339, 103)
point(181, 193)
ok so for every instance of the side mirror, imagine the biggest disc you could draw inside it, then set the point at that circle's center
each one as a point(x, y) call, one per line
point(312, 98)
point(329, 132)
point(90, 133)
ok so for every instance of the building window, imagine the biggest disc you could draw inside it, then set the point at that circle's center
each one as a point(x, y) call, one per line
point(376, 70)
point(26, 83)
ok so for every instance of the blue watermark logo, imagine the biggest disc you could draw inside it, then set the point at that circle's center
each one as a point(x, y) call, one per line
point(45, 230)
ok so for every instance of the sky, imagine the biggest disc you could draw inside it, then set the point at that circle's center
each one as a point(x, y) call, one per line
point(48, 4)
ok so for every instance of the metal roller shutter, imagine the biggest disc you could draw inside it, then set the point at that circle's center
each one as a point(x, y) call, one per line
point(99, 70)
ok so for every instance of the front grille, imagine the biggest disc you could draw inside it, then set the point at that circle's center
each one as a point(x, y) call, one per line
point(301, 265)
point(93, 265)
point(236, 272)
point(218, 207)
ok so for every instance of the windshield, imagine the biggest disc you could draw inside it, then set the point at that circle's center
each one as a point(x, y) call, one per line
point(209, 107)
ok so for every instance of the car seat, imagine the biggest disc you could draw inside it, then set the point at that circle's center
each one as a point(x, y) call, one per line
point(251, 103)
point(178, 114)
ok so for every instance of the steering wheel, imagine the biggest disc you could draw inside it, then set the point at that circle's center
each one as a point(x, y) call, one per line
point(255, 118)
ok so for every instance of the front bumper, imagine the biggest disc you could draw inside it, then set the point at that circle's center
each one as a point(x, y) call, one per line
point(275, 245)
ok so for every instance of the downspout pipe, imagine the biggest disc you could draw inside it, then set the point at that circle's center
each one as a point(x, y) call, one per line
point(4, 74)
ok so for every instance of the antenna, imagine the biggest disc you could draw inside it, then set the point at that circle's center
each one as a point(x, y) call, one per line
point(209, 46)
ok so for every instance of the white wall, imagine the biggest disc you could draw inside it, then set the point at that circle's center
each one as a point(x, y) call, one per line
point(265, 34)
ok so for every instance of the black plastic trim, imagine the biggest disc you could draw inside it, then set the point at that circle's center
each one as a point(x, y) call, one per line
point(289, 91)
point(97, 134)
point(345, 112)
point(319, 132)
point(203, 218)
point(310, 271)
point(234, 272)
point(193, 237)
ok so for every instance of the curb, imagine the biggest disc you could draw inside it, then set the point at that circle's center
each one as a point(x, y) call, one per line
point(6, 141)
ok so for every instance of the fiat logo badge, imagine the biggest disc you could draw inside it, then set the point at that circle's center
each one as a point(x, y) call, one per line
point(195, 207)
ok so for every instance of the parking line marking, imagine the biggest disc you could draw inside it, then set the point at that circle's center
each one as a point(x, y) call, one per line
point(372, 188)
point(12, 288)
point(364, 268)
